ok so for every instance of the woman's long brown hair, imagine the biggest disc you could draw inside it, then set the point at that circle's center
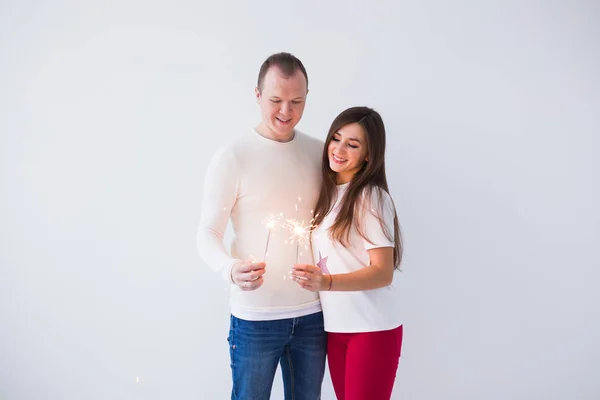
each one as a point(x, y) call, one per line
point(369, 179)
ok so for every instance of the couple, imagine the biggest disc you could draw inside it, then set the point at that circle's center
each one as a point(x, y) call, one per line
point(294, 303)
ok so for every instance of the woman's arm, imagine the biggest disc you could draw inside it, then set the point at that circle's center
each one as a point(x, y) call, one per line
point(378, 274)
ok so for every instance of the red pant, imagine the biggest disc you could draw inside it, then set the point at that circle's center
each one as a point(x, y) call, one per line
point(363, 365)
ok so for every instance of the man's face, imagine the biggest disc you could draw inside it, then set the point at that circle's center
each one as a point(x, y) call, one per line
point(281, 103)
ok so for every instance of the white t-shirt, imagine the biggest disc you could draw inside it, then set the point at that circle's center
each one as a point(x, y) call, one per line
point(367, 310)
point(248, 181)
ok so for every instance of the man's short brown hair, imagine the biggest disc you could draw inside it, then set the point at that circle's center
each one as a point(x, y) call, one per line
point(286, 62)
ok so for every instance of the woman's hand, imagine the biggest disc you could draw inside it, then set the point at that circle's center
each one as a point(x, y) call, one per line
point(310, 277)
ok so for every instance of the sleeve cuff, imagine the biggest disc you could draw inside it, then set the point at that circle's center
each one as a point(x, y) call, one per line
point(227, 272)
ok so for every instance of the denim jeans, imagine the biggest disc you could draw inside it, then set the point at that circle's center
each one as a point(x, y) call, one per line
point(256, 347)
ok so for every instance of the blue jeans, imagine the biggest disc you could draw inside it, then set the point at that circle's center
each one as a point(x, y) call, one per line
point(256, 347)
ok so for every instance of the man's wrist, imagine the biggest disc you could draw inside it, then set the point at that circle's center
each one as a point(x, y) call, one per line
point(231, 271)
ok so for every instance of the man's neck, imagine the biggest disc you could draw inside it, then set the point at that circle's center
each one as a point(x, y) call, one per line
point(265, 132)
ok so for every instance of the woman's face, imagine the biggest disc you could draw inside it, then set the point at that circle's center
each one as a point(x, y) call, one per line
point(347, 152)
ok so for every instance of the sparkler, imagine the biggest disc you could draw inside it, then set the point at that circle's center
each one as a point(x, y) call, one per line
point(300, 234)
point(271, 222)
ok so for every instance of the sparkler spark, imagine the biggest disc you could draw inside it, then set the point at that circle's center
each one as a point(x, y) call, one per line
point(300, 234)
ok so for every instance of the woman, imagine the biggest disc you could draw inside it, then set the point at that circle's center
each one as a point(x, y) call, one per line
point(358, 247)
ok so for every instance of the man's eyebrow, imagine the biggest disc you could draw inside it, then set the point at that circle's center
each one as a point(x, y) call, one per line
point(295, 98)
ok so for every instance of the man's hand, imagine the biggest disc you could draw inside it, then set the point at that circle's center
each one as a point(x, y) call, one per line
point(249, 275)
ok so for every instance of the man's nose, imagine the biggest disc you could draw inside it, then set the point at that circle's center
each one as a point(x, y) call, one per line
point(285, 107)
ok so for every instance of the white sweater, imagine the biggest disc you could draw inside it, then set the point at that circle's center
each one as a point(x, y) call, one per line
point(249, 181)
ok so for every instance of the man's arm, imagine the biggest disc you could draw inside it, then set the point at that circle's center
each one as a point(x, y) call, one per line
point(219, 197)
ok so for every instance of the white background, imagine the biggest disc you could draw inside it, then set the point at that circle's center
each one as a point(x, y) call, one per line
point(110, 111)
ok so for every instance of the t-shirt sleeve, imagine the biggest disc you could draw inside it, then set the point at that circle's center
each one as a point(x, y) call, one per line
point(219, 197)
point(377, 213)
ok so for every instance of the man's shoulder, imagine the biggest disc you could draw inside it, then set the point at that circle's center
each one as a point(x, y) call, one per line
point(228, 151)
point(236, 143)
point(310, 141)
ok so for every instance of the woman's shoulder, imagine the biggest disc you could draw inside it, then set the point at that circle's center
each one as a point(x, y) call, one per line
point(376, 196)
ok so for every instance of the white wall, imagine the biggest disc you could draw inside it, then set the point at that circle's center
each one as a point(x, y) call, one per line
point(110, 110)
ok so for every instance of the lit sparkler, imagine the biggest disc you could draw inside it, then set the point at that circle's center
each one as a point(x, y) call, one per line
point(300, 234)
point(271, 222)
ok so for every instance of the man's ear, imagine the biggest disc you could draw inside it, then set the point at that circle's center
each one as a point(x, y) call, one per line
point(257, 94)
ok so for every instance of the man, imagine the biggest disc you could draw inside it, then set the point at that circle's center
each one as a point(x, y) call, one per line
point(272, 173)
